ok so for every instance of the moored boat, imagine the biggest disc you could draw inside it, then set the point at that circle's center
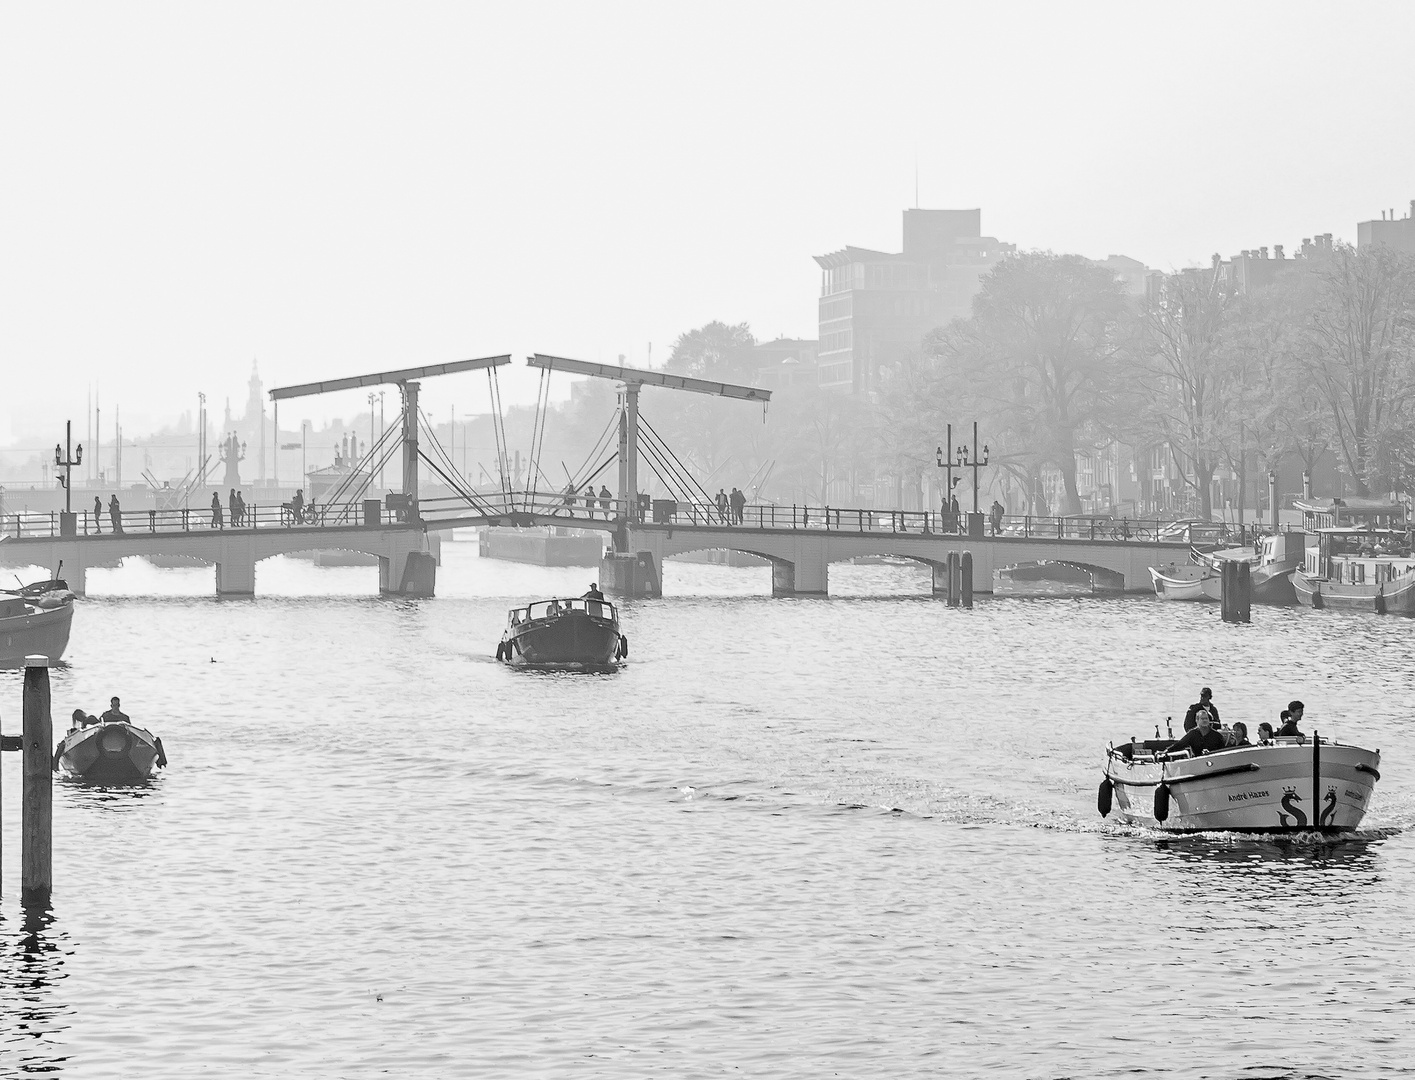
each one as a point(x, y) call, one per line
point(1056, 577)
point(35, 621)
point(110, 753)
point(1290, 784)
point(570, 634)
point(1192, 582)
point(1358, 558)
point(1272, 560)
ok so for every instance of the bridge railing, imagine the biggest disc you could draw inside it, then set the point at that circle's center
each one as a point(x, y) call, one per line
point(34, 524)
point(1090, 528)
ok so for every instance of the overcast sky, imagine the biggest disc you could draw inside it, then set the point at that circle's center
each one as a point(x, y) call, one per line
point(338, 188)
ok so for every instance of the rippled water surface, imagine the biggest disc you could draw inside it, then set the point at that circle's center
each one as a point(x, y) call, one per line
point(852, 836)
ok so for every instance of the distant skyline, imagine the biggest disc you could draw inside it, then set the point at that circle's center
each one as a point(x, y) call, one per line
point(338, 188)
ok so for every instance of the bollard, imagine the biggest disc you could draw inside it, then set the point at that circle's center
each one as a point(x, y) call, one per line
point(37, 822)
point(954, 573)
point(965, 573)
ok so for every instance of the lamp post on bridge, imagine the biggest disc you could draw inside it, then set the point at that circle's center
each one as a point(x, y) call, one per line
point(961, 458)
point(945, 461)
point(66, 460)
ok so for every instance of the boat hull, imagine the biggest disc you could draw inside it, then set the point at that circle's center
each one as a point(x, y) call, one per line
point(1394, 597)
point(1294, 786)
point(109, 755)
point(38, 632)
point(1176, 582)
point(1056, 577)
point(571, 641)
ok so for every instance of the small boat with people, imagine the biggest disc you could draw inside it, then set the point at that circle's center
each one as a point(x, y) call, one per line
point(108, 750)
point(1358, 557)
point(1214, 780)
point(578, 633)
point(35, 620)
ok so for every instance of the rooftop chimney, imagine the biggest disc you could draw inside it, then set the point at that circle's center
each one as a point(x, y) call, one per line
point(1264, 251)
point(1277, 251)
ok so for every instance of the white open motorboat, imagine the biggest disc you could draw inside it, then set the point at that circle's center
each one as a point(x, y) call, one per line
point(1187, 582)
point(1292, 784)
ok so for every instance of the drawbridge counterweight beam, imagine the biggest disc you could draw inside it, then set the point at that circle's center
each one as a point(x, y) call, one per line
point(635, 379)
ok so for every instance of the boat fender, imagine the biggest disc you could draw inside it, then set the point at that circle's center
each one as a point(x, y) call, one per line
point(623, 647)
point(1162, 803)
point(161, 753)
point(501, 650)
point(1380, 601)
point(1103, 797)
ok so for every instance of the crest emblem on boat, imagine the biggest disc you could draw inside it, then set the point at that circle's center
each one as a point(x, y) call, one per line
point(1289, 798)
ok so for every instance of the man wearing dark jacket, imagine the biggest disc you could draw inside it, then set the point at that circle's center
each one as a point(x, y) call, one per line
point(1205, 702)
point(1204, 739)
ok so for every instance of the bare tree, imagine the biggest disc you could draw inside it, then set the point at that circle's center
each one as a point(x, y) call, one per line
point(1360, 355)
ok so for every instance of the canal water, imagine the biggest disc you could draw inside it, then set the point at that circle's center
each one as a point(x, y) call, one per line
point(850, 837)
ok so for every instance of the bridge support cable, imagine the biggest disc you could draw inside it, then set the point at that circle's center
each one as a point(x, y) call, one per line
point(537, 437)
point(451, 476)
point(354, 486)
point(676, 485)
point(600, 445)
point(498, 430)
point(683, 469)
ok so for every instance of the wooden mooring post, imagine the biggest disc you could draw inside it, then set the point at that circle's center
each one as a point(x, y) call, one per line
point(965, 574)
point(37, 794)
point(1236, 597)
point(954, 574)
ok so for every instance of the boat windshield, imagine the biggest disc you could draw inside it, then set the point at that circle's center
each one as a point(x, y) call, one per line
point(549, 609)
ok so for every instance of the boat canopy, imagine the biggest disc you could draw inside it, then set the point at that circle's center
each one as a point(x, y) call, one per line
point(549, 609)
point(1336, 513)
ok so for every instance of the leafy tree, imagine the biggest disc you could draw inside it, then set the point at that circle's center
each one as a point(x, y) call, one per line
point(1038, 358)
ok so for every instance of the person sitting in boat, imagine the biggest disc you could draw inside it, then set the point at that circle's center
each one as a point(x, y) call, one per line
point(1265, 733)
point(553, 608)
point(593, 593)
point(1203, 739)
point(82, 719)
point(1238, 734)
point(1291, 717)
point(1205, 702)
point(114, 715)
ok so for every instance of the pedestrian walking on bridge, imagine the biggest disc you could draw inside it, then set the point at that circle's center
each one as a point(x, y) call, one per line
point(216, 516)
point(98, 513)
point(115, 514)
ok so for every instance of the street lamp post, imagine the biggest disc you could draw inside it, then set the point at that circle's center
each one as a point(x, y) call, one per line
point(975, 464)
point(372, 397)
point(66, 459)
point(945, 461)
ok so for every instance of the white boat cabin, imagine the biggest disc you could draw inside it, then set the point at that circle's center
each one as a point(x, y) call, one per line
point(1357, 541)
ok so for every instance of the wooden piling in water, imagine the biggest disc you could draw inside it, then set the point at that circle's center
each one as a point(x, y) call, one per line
point(965, 574)
point(37, 821)
point(954, 573)
point(1236, 592)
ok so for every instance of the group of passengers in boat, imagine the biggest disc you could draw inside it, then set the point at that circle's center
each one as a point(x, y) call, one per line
point(114, 715)
point(1204, 732)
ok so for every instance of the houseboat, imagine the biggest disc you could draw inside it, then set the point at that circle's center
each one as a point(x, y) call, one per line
point(1272, 560)
point(1358, 557)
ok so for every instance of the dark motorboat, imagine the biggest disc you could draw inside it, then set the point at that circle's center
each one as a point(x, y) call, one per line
point(1056, 577)
point(35, 621)
point(577, 634)
point(110, 753)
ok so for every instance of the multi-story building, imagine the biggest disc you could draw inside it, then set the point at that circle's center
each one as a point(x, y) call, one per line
point(877, 306)
point(1397, 234)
